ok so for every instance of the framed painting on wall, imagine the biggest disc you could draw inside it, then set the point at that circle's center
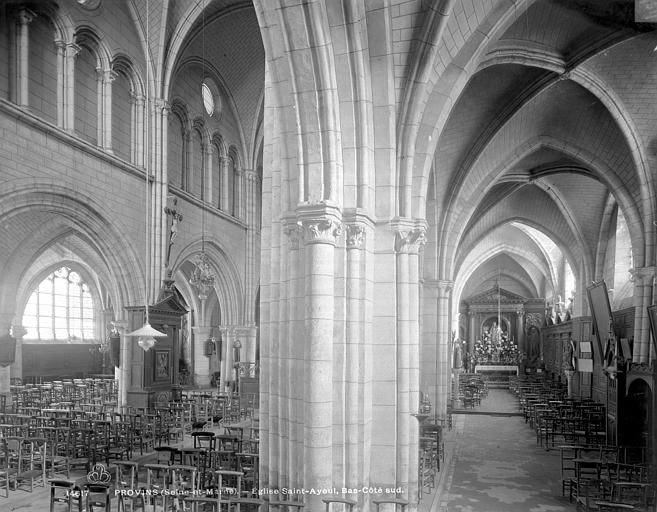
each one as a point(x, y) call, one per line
point(162, 369)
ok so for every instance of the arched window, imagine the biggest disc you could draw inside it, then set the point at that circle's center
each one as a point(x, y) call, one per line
point(60, 309)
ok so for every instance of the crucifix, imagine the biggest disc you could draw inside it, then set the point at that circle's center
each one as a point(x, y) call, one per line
point(176, 217)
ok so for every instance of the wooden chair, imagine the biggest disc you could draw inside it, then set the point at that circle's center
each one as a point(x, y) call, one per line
point(246, 504)
point(126, 479)
point(65, 491)
point(349, 504)
point(396, 502)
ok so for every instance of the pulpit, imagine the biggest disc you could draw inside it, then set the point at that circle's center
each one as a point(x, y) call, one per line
point(154, 372)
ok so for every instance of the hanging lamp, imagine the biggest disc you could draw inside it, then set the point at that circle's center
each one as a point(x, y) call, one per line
point(146, 334)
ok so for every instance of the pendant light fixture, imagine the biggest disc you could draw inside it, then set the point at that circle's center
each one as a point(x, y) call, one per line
point(146, 334)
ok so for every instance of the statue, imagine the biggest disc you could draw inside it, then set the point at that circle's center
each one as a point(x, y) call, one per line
point(458, 358)
point(533, 345)
point(176, 217)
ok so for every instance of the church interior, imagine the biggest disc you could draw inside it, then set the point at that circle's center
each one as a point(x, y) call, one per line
point(292, 254)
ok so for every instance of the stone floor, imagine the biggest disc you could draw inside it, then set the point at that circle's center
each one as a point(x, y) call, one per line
point(494, 465)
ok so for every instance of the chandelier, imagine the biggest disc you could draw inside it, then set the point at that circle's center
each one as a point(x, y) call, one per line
point(202, 277)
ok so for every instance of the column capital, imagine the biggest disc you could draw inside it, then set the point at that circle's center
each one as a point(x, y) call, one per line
point(642, 273)
point(72, 50)
point(18, 331)
point(520, 311)
point(60, 44)
point(224, 160)
point(357, 224)
point(251, 175)
point(443, 286)
point(472, 314)
point(355, 234)
point(410, 234)
point(322, 223)
point(25, 16)
point(162, 105)
point(292, 229)
point(139, 99)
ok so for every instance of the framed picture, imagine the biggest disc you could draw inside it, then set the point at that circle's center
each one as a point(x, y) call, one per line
point(652, 314)
point(601, 313)
point(162, 370)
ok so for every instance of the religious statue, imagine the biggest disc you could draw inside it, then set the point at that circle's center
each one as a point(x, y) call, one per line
point(458, 358)
point(533, 344)
point(176, 217)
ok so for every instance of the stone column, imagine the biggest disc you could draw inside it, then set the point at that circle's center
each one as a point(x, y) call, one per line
point(228, 338)
point(201, 361)
point(444, 336)
point(208, 182)
point(138, 135)
point(472, 333)
point(156, 150)
point(355, 236)
point(61, 80)
point(409, 237)
point(321, 227)
point(18, 332)
point(108, 76)
point(249, 345)
point(72, 51)
point(5, 371)
point(520, 318)
point(224, 169)
point(293, 410)
point(23, 18)
point(240, 202)
point(643, 283)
